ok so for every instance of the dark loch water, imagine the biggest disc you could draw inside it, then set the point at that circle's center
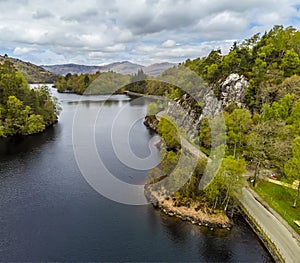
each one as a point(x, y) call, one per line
point(48, 212)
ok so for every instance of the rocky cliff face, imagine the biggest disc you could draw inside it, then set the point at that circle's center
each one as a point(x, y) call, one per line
point(189, 111)
point(233, 90)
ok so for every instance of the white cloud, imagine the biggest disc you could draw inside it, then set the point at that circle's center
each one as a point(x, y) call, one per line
point(180, 52)
point(100, 55)
point(22, 50)
point(42, 14)
point(149, 30)
point(115, 48)
point(169, 43)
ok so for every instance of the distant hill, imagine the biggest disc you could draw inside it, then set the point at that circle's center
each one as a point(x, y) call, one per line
point(124, 67)
point(64, 69)
point(31, 72)
point(158, 68)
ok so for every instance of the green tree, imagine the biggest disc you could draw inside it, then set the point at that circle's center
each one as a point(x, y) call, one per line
point(213, 73)
point(292, 167)
point(23, 110)
point(2, 131)
point(15, 117)
point(280, 110)
point(231, 62)
point(238, 124)
point(289, 85)
point(191, 188)
point(205, 134)
point(294, 118)
point(86, 80)
point(268, 144)
point(169, 162)
point(227, 183)
point(290, 63)
point(167, 129)
point(152, 108)
point(35, 124)
point(12, 82)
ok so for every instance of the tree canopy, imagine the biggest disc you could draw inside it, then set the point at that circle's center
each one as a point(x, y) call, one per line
point(23, 110)
point(292, 167)
point(265, 61)
point(263, 131)
point(98, 83)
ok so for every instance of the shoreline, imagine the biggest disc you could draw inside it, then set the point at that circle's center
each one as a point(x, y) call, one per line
point(135, 94)
point(190, 214)
point(18, 135)
point(193, 213)
point(151, 123)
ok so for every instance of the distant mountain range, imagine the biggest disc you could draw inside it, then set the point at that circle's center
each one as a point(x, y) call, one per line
point(31, 72)
point(49, 74)
point(124, 67)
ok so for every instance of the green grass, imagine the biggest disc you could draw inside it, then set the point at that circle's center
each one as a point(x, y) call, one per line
point(281, 199)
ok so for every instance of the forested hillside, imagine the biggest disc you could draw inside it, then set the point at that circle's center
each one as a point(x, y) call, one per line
point(23, 110)
point(264, 128)
point(32, 73)
point(270, 63)
point(262, 132)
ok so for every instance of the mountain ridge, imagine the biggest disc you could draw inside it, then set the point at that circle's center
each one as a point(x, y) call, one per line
point(123, 67)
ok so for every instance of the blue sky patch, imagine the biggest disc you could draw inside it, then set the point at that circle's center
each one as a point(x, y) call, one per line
point(253, 24)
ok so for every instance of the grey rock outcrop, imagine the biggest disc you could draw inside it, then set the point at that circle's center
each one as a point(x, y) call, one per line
point(189, 111)
point(233, 90)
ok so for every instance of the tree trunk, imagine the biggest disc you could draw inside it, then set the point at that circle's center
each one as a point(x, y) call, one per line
point(226, 196)
point(256, 173)
point(297, 196)
point(232, 212)
point(215, 205)
point(234, 150)
point(227, 204)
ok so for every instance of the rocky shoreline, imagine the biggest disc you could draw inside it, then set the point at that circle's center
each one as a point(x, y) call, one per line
point(191, 214)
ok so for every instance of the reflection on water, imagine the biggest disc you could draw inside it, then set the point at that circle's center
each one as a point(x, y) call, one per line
point(20, 144)
point(49, 213)
point(88, 102)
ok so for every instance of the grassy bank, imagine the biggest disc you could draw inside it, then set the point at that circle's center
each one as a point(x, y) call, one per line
point(280, 198)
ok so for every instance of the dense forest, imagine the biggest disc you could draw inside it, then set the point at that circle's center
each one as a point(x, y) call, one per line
point(109, 82)
point(89, 84)
point(74, 83)
point(262, 134)
point(23, 110)
point(271, 64)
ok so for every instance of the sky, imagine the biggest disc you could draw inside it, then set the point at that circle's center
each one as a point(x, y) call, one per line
point(97, 32)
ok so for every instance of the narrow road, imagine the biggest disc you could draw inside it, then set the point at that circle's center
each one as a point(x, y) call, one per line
point(287, 245)
point(191, 148)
